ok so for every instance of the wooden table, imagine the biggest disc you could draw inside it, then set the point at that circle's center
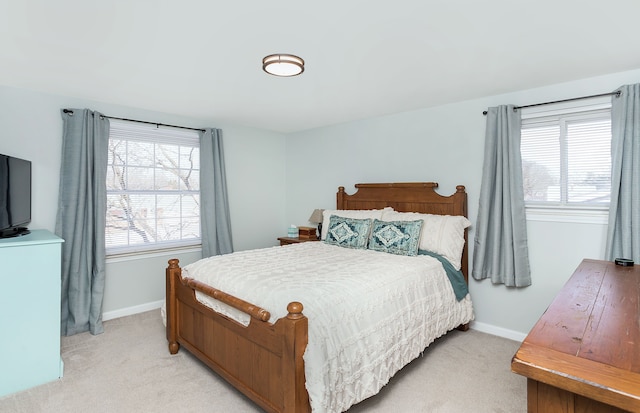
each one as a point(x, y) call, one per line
point(583, 355)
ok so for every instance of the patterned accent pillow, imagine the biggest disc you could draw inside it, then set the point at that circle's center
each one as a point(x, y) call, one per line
point(442, 234)
point(348, 232)
point(396, 237)
point(350, 213)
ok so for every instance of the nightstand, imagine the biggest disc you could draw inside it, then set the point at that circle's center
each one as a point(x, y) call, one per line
point(293, 240)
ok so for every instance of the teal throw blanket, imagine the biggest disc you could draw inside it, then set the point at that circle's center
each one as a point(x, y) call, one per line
point(456, 278)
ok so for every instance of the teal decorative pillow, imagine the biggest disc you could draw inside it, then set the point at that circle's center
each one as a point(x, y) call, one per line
point(396, 237)
point(348, 232)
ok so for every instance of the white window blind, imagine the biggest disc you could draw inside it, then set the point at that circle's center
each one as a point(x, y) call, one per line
point(153, 188)
point(566, 156)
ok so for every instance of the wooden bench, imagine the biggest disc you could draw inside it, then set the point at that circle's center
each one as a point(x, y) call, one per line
point(583, 355)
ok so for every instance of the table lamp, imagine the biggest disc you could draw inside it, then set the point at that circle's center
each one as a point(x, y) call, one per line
point(316, 218)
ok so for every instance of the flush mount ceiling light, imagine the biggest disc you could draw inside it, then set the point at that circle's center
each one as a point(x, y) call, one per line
point(283, 65)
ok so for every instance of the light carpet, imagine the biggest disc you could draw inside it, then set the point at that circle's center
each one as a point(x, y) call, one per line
point(129, 369)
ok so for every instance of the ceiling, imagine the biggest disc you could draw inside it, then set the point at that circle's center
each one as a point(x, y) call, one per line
point(202, 59)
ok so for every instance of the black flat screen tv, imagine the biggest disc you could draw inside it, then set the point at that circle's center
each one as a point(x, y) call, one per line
point(15, 196)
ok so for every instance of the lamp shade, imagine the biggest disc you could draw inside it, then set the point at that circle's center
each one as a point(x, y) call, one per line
point(316, 216)
point(283, 65)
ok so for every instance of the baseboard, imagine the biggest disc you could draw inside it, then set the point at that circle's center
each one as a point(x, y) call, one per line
point(498, 331)
point(123, 312)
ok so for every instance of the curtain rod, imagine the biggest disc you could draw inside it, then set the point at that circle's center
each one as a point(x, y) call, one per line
point(69, 111)
point(616, 93)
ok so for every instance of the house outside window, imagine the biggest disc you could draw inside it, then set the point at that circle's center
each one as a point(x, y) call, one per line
point(153, 188)
point(566, 158)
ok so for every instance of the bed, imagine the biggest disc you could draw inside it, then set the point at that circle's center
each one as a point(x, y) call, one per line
point(265, 351)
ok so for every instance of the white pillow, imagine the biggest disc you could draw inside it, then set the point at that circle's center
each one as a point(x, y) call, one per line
point(350, 213)
point(442, 234)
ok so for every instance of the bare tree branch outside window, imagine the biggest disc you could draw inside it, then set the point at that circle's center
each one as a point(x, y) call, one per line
point(153, 193)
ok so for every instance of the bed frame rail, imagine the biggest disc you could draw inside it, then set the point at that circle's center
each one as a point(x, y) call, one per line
point(262, 360)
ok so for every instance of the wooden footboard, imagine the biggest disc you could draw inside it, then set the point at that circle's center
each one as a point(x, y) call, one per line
point(262, 360)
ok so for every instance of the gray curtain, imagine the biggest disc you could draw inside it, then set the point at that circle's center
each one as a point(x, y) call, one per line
point(500, 249)
point(623, 234)
point(81, 220)
point(215, 221)
point(4, 186)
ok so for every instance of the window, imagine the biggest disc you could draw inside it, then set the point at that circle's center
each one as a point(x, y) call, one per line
point(566, 156)
point(153, 188)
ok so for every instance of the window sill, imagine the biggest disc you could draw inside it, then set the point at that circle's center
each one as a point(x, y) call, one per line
point(595, 215)
point(166, 252)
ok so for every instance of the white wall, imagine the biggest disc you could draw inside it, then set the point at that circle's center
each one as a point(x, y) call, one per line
point(31, 128)
point(277, 180)
point(445, 144)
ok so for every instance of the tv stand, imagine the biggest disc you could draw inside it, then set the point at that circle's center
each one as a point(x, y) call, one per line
point(30, 311)
point(14, 232)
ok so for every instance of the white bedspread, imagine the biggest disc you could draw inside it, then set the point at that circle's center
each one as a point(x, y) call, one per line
point(370, 313)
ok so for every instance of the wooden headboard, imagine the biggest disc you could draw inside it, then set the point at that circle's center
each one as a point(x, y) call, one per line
point(409, 197)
